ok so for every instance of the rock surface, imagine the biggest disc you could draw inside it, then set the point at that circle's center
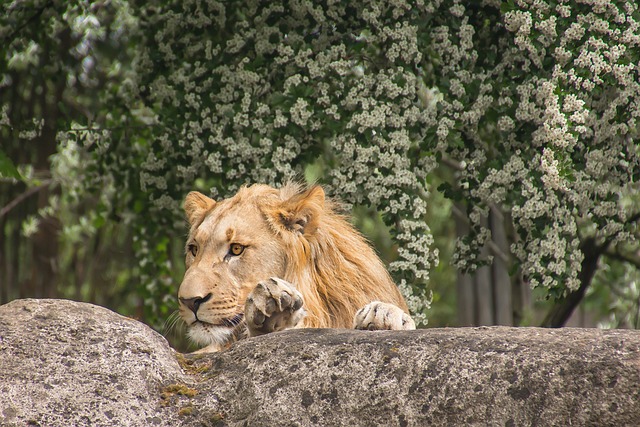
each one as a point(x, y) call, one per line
point(67, 363)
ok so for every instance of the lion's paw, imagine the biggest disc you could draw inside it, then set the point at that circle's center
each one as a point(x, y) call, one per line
point(382, 316)
point(272, 306)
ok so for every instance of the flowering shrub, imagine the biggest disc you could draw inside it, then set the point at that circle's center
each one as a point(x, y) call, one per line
point(540, 110)
point(252, 92)
point(535, 102)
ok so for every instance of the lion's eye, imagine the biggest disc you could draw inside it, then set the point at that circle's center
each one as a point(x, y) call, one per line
point(193, 249)
point(236, 249)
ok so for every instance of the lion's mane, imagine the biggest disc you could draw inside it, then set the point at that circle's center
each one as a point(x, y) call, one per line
point(329, 261)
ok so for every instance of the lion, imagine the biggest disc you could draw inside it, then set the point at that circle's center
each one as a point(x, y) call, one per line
point(271, 259)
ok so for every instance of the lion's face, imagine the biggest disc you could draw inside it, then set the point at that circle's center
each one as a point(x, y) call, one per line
point(232, 245)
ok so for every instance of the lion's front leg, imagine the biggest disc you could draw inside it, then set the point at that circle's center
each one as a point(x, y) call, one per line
point(272, 306)
point(382, 316)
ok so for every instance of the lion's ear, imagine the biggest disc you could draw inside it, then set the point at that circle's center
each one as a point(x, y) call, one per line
point(301, 211)
point(196, 205)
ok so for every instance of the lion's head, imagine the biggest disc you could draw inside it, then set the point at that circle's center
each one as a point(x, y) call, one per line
point(290, 233)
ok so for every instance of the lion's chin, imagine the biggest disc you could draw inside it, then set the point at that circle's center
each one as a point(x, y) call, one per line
point(220, 334)
point(206, 334)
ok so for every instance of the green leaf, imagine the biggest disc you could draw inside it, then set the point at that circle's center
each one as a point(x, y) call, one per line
point(507, 6)
point(162, 245)
point(277, 99)
point(7, 168)
point(99, 221)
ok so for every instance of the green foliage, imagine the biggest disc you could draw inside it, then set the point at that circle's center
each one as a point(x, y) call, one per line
point(248, 92)
point(539, 110)
point(7, 168)
point(615, 295)
point(533, 104)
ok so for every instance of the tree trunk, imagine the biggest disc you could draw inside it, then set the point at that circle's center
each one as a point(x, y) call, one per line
point(485, 298)
point(562, 310)
point(465, 295)
point(500, 269)
point(484, 295)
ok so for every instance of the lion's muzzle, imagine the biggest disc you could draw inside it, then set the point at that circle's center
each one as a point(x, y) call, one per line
point(193, 304)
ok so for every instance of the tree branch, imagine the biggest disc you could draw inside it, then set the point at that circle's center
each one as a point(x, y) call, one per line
point(31, 191)
point(562, 310)
point(34, 17)
point(453, 164)
point(619, 256)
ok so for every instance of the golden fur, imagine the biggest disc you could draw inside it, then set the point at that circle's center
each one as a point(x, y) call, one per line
point(291, 233)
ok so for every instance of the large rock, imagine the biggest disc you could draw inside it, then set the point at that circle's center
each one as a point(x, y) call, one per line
point(67, 363)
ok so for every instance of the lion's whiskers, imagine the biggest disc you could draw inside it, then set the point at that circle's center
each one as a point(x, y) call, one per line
point(174, 325)
point(234, 321)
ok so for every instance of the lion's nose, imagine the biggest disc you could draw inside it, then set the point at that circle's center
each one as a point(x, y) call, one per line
point(194, 303)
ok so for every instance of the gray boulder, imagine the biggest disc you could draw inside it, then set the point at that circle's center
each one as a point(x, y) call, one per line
point(65, 363)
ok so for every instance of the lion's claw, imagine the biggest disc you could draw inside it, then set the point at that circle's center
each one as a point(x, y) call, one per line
point(382, 316)
point(273, 305)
